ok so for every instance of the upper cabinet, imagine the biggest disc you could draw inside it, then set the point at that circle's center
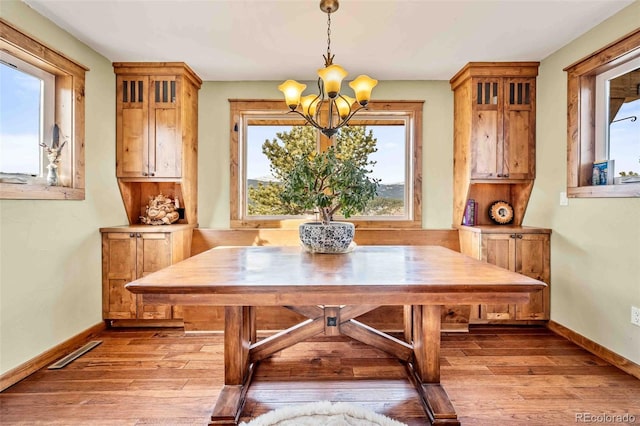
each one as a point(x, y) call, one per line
point(157, 135)
point(150, 142)
point(494, 136)
point(502, 121)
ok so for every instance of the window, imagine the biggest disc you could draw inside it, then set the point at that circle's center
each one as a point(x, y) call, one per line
point(594, 96)
point(26, 116)
point(40, 88)
point(390, 129)
point(617, 124)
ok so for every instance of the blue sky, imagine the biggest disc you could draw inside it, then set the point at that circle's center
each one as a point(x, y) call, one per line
point(19, 121)
point(390, 157)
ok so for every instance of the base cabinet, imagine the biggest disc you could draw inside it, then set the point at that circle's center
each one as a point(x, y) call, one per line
point(131, 252)
point(520, 249)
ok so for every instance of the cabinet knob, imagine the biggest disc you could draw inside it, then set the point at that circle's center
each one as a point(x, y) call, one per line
point(505, 175)
point(512, 236)
point(152, 174)
point(131, 235)
point(144, 173)
point(138, 235)
point(520, 236)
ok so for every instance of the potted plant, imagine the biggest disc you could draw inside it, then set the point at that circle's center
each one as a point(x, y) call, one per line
point(326, 183)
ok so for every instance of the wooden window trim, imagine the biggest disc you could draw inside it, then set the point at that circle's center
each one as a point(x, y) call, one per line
point(237, 106)
point(581, 89)
point(69, 115)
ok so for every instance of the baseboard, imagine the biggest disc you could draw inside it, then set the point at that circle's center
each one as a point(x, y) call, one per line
point(613, 358)
point(14, 375)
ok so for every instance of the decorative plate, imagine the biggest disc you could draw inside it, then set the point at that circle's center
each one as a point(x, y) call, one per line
point(501, 212)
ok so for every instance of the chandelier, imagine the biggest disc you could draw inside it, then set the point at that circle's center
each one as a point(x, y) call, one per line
point(335, 108)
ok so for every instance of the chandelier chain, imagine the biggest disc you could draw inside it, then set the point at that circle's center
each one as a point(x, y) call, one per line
point(329, 58)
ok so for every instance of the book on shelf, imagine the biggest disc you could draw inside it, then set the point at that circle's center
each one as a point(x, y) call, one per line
point(470, 217)
point(603, 172)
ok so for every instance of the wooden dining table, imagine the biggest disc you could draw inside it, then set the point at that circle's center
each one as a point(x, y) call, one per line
point(331, 291)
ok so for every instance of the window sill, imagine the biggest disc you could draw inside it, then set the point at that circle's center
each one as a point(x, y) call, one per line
point(624, 190)
point(10, 191)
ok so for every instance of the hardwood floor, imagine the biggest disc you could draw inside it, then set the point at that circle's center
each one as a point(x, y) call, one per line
point(493, 375)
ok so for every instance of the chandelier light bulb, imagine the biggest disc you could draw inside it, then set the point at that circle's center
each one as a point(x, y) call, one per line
point(332, 77)
point(362, 86)
point(292, 91)
point(309, 107)
point(343, 103)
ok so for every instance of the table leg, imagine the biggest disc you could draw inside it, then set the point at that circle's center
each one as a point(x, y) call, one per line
point(425, 369)
point(239, 330)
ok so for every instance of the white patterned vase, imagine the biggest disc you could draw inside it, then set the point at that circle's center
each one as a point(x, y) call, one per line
point(332, 238)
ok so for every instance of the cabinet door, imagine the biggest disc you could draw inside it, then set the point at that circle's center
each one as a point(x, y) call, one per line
point(118, 268)
point(165, 149)
point(519, 129)
point(533, 260)
point(486, 128)
point(132, 126)
point(153, 254)
point(499, 250)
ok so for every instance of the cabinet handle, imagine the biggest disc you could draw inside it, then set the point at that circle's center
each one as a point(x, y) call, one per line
point(144, 173)
point(138, 235)
point(152, 174)
point(131, 235)
point(512, 236)
point(506, 175)
point(519, 236)
point(499, 175)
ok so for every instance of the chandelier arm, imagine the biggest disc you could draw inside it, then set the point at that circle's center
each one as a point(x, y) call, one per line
point(348, 117)
point(332, 103)
point(308, 119)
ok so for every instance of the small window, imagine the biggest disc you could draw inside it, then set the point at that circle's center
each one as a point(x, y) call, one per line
point(41, 120)
point(26, 117)
point(263, 135)
point(604, 121)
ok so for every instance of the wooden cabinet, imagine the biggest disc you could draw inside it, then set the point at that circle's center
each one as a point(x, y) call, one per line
point(149, 143)
point(524, 250)
point(131, 252)
point(494, 136)
point(502, 137)
point(157, 135)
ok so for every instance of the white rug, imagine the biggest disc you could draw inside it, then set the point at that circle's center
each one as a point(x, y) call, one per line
point(323, 413)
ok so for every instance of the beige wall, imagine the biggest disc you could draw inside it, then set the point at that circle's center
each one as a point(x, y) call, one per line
point(595, 246)
point(213, 152)
point(50, 263)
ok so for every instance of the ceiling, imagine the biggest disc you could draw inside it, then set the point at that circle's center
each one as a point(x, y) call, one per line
point(280, 39)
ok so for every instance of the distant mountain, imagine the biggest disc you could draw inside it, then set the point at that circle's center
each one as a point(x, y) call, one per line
point(394, 191)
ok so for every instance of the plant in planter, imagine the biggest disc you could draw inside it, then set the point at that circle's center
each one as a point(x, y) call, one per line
point(327, 183)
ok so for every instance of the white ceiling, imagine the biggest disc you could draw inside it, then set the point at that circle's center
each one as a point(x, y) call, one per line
point(281, 39)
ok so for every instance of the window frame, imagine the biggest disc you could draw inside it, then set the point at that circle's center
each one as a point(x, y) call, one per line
point(68, 114)
point(581, 115)
point(239, 108)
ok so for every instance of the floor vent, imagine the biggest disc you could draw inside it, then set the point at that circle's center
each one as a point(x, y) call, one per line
point(74, 355)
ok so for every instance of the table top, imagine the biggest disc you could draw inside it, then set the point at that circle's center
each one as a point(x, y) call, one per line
point(276, 276)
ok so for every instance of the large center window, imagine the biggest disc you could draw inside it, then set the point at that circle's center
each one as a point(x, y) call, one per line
point(266, 143)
